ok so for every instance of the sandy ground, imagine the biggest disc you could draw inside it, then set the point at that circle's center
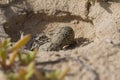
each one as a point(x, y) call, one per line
point(97, 34)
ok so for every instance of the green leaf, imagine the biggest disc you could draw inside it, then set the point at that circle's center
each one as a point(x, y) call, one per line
point(53, 75)
point(12, 76)
point(3, 55)
point(30, 71)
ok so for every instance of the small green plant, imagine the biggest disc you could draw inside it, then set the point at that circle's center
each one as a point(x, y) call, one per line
point(6, 50)
point(21, 66)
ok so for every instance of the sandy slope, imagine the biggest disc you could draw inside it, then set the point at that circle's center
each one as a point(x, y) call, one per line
point(97, 33)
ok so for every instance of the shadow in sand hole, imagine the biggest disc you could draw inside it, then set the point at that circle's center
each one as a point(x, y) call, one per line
point(79, 42)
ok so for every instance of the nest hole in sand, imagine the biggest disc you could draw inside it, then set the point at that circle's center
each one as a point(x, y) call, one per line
point(38, 23)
